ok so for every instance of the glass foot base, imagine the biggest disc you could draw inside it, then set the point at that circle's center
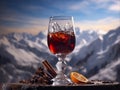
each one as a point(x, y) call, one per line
point(61, 80)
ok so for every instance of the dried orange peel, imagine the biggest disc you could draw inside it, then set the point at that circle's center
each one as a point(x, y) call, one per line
point(78, 78)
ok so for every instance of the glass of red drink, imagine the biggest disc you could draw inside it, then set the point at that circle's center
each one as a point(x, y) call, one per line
point(61, 42)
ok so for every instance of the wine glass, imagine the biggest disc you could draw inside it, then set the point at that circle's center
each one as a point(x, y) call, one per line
point(61, 42)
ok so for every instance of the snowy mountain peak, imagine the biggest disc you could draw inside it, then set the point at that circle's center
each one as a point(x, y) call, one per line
point(18, 36)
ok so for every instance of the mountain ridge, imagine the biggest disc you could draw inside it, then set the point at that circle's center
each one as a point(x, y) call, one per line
point(21, 54)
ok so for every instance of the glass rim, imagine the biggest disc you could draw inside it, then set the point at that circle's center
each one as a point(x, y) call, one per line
point(61, 17)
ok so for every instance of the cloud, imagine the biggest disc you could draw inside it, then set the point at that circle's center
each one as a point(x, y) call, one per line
point(22, 20)
point(115, 6)
point(79, 5)
point(92, 5)
point(33, 29)
point(102, 25)
point(32, 17)
point(31, 25)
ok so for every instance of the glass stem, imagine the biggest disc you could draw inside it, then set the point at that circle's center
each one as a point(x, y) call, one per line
point(61, 78)
point(61, 64)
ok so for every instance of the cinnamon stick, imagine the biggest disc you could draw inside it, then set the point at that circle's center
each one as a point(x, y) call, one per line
point(49, 68)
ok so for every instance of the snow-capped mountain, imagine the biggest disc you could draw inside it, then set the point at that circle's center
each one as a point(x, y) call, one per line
point(84, 38)
point(101, 58)
point(21, 54)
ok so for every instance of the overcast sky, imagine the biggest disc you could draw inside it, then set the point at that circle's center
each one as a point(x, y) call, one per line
point(32, 16)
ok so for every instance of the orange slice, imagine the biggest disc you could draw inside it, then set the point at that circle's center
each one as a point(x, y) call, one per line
point(78, 78)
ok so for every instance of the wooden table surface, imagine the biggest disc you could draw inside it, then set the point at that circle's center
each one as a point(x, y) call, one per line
point(19, 86)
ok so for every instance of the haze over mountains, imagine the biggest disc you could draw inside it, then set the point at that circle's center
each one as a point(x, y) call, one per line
point(96, 56)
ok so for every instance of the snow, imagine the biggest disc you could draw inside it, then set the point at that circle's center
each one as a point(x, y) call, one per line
point(4, 41)
point(22, 57)
point(107, 73)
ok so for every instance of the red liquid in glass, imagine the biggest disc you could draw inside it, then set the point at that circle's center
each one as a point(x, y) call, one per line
point(60, 42)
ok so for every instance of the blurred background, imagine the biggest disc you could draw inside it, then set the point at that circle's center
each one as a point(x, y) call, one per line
point(23, 37)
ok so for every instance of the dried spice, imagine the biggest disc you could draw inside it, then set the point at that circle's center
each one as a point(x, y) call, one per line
point(42, 75)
